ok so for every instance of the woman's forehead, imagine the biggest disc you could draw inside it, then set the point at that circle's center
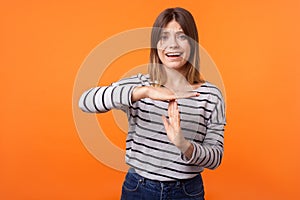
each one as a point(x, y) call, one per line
point(172, 26)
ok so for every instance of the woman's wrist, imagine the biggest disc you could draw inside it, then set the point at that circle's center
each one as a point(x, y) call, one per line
point(187, 148)
point(189, 151)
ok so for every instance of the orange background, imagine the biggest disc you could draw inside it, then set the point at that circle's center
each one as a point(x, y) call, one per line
point(255, 44)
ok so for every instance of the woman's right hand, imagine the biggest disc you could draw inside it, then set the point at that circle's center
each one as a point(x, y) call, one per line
point(160, 93)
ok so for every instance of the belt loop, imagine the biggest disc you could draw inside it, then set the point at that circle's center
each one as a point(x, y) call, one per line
point(178, 183)
point(142, 180)
point(161, 190)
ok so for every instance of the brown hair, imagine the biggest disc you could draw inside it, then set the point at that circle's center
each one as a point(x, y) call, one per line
point(185, 19)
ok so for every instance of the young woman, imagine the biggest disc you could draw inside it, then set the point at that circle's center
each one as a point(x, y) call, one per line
point(176, 119)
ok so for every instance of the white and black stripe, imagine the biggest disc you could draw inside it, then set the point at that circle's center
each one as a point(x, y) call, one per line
point(148, 148)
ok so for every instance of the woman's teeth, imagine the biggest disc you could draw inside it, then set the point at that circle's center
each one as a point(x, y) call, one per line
point(173, 54)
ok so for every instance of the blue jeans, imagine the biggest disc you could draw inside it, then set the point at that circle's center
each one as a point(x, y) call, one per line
point(136, 187)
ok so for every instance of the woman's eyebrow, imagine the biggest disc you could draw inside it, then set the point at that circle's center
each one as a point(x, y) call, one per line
point(168, 32)
point(165, 32)
point(177, 32)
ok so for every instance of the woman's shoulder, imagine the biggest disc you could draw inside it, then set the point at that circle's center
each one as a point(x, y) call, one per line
point(210, 89)
point(138, 79)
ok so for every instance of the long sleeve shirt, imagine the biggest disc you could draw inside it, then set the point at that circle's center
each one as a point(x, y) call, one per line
point(148, 149)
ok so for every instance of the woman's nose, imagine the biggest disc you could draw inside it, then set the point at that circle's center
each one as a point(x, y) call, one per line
point(173, 43)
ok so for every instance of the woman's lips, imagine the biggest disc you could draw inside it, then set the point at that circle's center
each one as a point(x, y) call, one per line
point(173, 54)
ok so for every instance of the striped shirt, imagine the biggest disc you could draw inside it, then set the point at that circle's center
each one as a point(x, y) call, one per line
point(148, 149)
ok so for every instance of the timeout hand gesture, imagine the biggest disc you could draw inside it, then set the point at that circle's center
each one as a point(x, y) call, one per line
point(174, 131)
point(173, 125)
point(160, 93)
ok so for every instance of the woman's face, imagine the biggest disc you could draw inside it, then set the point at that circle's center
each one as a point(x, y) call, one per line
point(173, 47)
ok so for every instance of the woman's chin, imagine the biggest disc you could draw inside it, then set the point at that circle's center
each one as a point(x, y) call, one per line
point(175, 66)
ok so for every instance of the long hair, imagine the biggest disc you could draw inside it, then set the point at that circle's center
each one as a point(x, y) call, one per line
point(185, 19)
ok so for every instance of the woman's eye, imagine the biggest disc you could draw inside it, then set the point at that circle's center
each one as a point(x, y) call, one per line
point(182, 37)
point(164, 37)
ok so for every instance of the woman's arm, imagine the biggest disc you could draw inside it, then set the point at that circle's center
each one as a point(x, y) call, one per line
point(209, 153)
point(173, 130)
point(103, 99)
point(121, 95)
point(159, 93)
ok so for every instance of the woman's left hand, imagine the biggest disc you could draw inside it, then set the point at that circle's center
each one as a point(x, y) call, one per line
point(173, 128)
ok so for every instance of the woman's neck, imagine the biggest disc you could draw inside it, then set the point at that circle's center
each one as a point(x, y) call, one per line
point(176, 80)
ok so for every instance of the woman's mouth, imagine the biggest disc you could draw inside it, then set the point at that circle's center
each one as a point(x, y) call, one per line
point(173, 54)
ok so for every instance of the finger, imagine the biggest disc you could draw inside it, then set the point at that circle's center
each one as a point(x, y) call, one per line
point(170, 97)
point(172, 103)
point(169, 109)
point(175, 108)
point(176, 114)
point(165, 121)
point(191, 94)
point(182, 95)
point(175, 105)
point(171, 116)
point(172, 111)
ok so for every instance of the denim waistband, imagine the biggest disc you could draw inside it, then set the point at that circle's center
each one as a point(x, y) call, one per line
point(159, 183)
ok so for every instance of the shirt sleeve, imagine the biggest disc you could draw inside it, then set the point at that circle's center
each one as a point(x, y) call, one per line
point(104, 98)
point(209, 153)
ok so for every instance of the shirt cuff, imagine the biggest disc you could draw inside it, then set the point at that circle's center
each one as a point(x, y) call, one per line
point(191, 160)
